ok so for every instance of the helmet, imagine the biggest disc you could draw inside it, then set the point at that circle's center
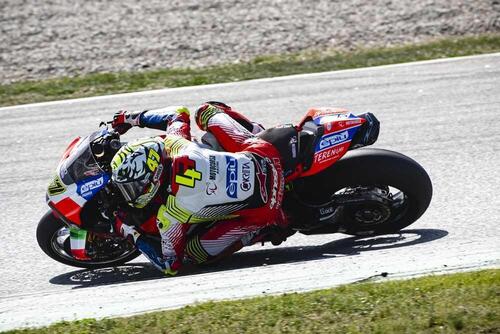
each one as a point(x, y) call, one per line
point(137, 170)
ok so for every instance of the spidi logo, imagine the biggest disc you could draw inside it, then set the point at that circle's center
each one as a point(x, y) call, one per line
point(333, 139)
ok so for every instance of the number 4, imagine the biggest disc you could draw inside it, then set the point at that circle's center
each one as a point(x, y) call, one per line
point(190, 175)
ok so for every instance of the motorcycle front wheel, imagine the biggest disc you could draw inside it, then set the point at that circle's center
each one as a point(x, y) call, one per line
point(53, 238)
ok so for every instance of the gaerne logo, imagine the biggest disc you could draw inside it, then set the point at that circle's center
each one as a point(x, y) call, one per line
point(245, 175)
point(231, 177)
point(333, 139)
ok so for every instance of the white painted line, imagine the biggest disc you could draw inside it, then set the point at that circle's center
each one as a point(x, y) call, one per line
point(221, 85)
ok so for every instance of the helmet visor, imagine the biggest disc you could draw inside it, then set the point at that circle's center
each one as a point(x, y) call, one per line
point(132, 190)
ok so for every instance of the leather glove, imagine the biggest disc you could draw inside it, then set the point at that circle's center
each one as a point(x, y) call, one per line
point(124, 120)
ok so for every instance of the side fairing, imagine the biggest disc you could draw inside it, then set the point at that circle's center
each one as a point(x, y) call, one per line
point(77, 179)
point(71, 200)
point(64, 198)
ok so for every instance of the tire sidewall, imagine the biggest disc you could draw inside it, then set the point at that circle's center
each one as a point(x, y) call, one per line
point(50, 225)
point(369, 167)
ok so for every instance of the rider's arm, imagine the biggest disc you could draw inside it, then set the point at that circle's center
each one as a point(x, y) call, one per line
point(179, 124)
point(175, 117)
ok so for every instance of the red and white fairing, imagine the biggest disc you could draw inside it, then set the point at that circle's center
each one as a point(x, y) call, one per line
point(339, 127)
point(77, 179)
point(63, 198)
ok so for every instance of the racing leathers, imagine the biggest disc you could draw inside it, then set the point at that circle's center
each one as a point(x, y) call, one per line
point(239, 189)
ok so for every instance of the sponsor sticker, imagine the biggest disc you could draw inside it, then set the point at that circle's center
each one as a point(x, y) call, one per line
point(353, 122)
point(231, 177)
point(333, 139)
point(91, 185)
point(329, 154)
point(89, 188)
point(278, 187)
point(326, 211)
point(211, 188)
point(245, 177)
point(213, 167)
point(92, 172)
point(261, 174)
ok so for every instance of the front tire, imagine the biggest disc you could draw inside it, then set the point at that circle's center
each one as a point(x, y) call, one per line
point(377, 169)
point(52, 239)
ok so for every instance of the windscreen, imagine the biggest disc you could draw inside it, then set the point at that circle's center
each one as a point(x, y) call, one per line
point(81, 163)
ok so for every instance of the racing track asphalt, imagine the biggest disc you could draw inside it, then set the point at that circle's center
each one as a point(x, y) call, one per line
point(444, 114)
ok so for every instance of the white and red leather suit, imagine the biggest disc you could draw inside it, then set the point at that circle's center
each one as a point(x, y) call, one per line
point(240, 188)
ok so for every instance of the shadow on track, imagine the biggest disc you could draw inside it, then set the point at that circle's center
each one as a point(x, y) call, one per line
point(350, 246)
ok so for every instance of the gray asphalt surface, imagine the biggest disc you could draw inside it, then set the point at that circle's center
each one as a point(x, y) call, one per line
point(444, 114)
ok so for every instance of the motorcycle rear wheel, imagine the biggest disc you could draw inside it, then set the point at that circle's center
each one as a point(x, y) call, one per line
point(53, 238)
point(375, 170)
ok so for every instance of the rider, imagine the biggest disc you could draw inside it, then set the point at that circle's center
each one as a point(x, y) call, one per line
point(171, 182)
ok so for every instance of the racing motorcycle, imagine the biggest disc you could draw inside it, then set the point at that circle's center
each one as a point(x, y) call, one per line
point(333, 184)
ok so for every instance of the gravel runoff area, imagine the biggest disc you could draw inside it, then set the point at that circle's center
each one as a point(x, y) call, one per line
point(51, 38)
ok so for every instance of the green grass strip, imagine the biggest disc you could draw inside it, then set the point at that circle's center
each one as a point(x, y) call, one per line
point(260, 67)
point(465, 303)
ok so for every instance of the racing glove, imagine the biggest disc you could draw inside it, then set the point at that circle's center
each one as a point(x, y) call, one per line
point(124, 120)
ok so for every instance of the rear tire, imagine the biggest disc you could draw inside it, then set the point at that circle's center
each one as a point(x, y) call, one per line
point(370, 167)
point(47, 231)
